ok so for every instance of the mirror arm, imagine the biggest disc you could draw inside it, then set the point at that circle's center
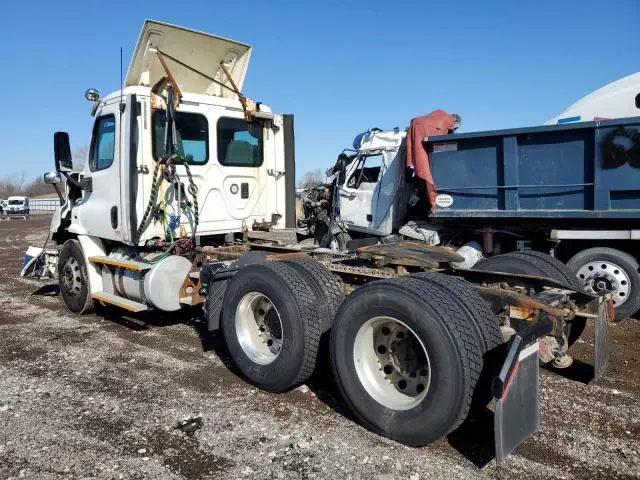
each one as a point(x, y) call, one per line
point(55, 187)
point(84, 184)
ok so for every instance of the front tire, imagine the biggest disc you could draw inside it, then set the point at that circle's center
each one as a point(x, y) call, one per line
point(336, 242)
point(73, 278)
point(405, 359)
point(607, 269)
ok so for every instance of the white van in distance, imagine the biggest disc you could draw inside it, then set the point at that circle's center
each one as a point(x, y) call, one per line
point(17, 205)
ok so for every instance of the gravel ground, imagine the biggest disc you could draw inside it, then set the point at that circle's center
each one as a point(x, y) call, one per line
point(95, 397)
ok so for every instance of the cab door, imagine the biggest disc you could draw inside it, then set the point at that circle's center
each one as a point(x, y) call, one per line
point(235, 180)
point(359, 193)
point(99, 212)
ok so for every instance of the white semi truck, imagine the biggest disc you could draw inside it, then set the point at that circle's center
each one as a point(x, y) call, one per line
point(182, 165)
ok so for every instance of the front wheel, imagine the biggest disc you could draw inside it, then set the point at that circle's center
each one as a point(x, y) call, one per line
point(73, 278)
point(605, 269)
point(336, 242)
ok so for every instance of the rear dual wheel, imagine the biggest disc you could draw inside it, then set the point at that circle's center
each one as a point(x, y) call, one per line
point(273, 317)
point(408, 354)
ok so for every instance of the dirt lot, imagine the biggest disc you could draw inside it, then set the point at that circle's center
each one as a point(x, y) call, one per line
point(94, 397)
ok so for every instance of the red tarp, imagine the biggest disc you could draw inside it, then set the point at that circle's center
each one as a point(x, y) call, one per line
point(437, 122)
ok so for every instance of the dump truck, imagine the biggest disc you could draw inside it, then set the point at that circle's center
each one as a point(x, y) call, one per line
point(569, 188)
point(182, 166)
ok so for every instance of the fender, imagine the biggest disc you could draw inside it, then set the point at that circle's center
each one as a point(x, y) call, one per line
point(78, 230)
point(215, 277)
point(56, 221)
point(92, 246)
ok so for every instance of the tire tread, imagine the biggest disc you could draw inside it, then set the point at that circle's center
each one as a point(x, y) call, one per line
point(330, 286)
point(306, 302)
point(552, 265)
point(453, 318)
point(457, 321)
point(467, 297)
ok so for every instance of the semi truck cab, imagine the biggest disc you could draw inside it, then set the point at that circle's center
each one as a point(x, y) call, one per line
point(233, 150)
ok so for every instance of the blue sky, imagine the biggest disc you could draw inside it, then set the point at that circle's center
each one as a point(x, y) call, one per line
point(339, 66)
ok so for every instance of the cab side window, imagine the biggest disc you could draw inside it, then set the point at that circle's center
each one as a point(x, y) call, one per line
point(192, 135)
point(239, 142)
point(103, 143)
point(367, 171)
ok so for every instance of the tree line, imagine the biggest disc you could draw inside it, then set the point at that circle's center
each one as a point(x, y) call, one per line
point(311, 179)
point(18, 183)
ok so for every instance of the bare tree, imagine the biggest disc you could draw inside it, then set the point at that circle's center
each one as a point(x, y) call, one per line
point(16, 184)
point(12, 184)
point(311, 179)
point(38, 188)
point(18, 181)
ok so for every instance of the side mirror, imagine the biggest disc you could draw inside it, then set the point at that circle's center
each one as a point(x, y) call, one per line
point(52, 178)
point(62, 152)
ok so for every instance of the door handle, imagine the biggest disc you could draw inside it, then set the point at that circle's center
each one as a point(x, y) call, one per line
point(349, 195)
point(114, 217)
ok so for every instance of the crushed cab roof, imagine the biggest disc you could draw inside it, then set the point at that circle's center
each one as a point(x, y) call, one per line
point(199, 50)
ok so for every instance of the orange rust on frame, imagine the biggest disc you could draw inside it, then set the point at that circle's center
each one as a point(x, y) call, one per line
point(196, 298)
point(401, 270)
point(520, 300)
point(287, 256)
point(408, 254)
point(230, 252)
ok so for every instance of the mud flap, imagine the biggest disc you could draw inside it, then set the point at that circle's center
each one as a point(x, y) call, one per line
point(516, 388)
point(602, 352)
point(517, 414)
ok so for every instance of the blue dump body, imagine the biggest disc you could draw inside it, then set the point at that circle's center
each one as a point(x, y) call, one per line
point(579, 170)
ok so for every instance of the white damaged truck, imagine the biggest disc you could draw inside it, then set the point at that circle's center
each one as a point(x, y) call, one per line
point(183, 165)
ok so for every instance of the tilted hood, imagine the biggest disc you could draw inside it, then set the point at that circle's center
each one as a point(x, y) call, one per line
point(199, 50)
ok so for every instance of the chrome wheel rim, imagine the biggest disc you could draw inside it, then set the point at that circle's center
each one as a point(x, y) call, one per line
point(600, 277)
point(71, 277)
point(392, 363)
point(259, 328)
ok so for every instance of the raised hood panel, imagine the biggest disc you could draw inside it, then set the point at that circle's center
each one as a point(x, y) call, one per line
point(199, 50)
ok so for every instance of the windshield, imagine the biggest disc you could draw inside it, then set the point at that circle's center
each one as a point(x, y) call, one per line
point(367, 170)
point(16, 202)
